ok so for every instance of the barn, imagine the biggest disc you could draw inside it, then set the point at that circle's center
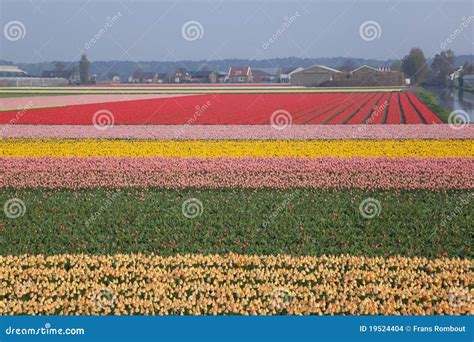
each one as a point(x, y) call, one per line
point(367, 76)
point(313, 76)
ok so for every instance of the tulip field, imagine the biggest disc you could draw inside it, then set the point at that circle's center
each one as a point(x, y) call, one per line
point(232, 109)
point(232, 200)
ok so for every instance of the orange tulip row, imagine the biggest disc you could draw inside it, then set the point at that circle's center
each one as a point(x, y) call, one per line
point(233, 284)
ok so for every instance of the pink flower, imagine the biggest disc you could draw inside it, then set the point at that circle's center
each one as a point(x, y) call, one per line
point(284, 173)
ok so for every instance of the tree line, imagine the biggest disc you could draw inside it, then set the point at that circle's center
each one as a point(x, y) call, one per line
point(415, 66)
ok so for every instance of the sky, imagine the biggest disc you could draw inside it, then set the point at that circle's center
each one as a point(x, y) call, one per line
point(144, 30)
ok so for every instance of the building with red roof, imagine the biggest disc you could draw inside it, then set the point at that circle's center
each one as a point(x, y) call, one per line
point(240, 75)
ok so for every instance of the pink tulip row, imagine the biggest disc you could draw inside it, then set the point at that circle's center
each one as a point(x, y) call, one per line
point(239, 132)
point(364, 173)
point(31, 102)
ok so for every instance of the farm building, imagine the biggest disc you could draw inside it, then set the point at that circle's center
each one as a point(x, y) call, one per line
point(260, 76)
point(240, 75)
point(313, 76)
point(139, 76)
point(367, 76)
point(11, 71)
point(217, 77)
point(364, 76)
point(201, 76)
point(283, 75)
point(181, 75)
point(12, 76)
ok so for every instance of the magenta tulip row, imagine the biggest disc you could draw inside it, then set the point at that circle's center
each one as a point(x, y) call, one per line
point(240, 132)
point(176, 173)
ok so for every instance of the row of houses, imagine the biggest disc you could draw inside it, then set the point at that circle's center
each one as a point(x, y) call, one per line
point(316, 75)
point(181, 75)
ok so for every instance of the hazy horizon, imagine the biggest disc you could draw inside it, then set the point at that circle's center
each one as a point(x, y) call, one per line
point(212, 60)
point(167, 31)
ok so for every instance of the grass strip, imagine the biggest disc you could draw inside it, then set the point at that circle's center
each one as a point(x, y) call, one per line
point(432, 103)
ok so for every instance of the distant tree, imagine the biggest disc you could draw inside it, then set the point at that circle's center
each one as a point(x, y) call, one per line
point(414, 65)
point(348, 65)
point(84, 66)
point(59, 67)
point(205, 67)
point(62, 70)
point(396, 66)
point(442, 66)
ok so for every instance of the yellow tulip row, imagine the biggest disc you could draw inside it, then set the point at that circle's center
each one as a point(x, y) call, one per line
point(233, 284)
point(229, 148)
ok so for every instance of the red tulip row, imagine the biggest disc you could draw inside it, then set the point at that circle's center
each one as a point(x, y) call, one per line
point(236, 109)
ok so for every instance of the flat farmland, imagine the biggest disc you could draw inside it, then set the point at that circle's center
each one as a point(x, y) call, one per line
point(227, 109)
point(236, 199)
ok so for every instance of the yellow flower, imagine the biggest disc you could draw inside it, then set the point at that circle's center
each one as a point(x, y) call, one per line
point(217, 148)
